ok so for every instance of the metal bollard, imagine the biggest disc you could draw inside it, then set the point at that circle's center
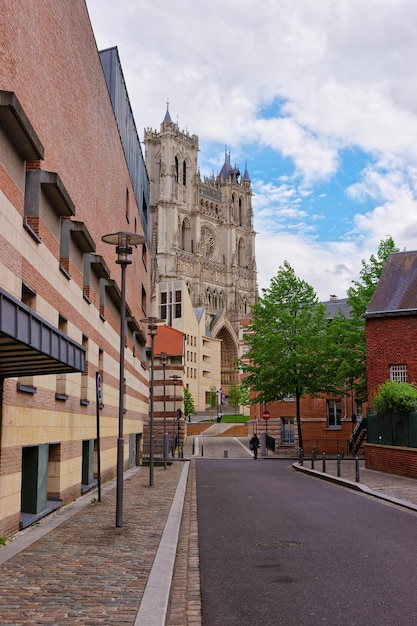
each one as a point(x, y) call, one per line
point(357, 469)
point(324, 462)
point(339, 473)
point(202, 451)
point(301, 457)
point(193, 447)
point(312, 460)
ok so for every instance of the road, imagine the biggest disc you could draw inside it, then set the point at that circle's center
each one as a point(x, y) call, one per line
point(281, 548)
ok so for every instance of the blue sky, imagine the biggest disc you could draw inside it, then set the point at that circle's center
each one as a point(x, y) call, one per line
point(318, 97)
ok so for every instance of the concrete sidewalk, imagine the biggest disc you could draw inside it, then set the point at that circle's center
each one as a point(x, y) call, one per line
point(389, 487)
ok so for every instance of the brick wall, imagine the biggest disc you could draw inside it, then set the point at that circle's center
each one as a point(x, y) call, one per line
point(391, 459)
point(51, 63)
point(390, 341)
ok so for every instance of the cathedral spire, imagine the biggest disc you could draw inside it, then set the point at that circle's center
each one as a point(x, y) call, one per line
point(167, 117)
point(246, 173)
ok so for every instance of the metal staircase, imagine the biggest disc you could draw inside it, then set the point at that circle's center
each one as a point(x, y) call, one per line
point(358, 435)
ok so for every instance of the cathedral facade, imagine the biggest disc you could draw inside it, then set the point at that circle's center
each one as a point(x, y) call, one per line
point(202, 234)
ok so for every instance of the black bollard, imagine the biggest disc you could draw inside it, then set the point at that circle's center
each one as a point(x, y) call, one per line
point(312, 460)
point(324, 462)
point(301, 457)
point(339, 473)
point(357, 469)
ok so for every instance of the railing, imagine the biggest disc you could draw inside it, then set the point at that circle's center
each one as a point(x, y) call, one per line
point(357, 435)
point(328, 446)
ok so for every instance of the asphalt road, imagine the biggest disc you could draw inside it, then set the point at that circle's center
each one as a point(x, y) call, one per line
point(281, 548)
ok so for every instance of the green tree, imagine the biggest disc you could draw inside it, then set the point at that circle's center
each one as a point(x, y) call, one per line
point(349, 332)
point(238, 396)
point(212, 397)
point(189, 406)
point(289, 348)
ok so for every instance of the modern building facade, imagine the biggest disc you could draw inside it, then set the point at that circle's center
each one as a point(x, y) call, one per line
point(65, 181)
point(203, 250)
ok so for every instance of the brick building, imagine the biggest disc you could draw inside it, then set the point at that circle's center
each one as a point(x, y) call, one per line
point(391, 323)
point(65, 181)
point(391, 354)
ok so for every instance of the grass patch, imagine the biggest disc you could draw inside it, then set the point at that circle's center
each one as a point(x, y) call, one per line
point(235, 419)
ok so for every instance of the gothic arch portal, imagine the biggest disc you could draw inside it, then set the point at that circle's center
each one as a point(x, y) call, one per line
point(229, 355)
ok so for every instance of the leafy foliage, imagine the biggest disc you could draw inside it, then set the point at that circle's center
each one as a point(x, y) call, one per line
point(238, 396)
point(189, 406)
point(395, 397)
point(288, 339)
point(349, 332)
point(212, 396)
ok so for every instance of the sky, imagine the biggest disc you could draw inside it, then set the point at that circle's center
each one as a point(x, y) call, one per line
point(317, 97)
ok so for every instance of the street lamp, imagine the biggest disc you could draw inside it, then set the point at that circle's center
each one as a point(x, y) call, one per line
point(152, 323)
point(164, 361)
point(123, 242)
point(175, 380)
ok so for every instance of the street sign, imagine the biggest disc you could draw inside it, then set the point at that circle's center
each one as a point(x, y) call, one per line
point(99, 388)
point(266, 415)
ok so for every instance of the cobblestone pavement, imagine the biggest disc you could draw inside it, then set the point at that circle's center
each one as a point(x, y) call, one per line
point(87, 571)
point(185, 605)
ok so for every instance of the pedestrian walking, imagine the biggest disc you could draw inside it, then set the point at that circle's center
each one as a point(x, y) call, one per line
point(254, 445)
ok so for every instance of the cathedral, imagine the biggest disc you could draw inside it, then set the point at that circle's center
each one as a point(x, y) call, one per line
point(202, 244)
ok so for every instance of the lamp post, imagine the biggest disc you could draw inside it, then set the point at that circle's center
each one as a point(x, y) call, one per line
point(152, 323)
point(164, 361)
point(123, 242)
point(175, 380)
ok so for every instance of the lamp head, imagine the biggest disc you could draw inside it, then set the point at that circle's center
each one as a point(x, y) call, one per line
point(124, 242)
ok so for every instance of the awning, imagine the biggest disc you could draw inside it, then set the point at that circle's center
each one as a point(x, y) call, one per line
point(29, 345)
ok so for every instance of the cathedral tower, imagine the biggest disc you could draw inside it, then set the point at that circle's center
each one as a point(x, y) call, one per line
point(202, 233)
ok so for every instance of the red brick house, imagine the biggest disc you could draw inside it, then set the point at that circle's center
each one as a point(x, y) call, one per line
point(391, 349)
point(391, 323)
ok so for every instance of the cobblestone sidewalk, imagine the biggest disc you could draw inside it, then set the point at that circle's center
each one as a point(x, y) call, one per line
point(87, 571)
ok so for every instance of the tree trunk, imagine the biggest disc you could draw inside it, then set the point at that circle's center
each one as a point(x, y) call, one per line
point(298, 417)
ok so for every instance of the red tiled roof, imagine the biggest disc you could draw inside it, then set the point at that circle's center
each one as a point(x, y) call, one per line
point(169, 340)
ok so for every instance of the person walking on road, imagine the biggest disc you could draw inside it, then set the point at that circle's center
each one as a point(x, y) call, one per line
point(254, 445)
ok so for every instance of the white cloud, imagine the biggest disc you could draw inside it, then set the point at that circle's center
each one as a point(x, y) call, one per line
point(305, 79)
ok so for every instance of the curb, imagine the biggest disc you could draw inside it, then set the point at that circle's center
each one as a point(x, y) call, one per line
point(350, 484)
point(154, 605)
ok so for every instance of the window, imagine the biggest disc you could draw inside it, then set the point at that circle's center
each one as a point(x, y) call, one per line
point(61, 379)
point(334, 413)
point(28, 297)
point(178, 312)
point(399, 373)
point(176, 169)
point(287, 431)
point(144, 302)
point(164, 303)
point(186, 236)
point(84, 376)
point(127, 203)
